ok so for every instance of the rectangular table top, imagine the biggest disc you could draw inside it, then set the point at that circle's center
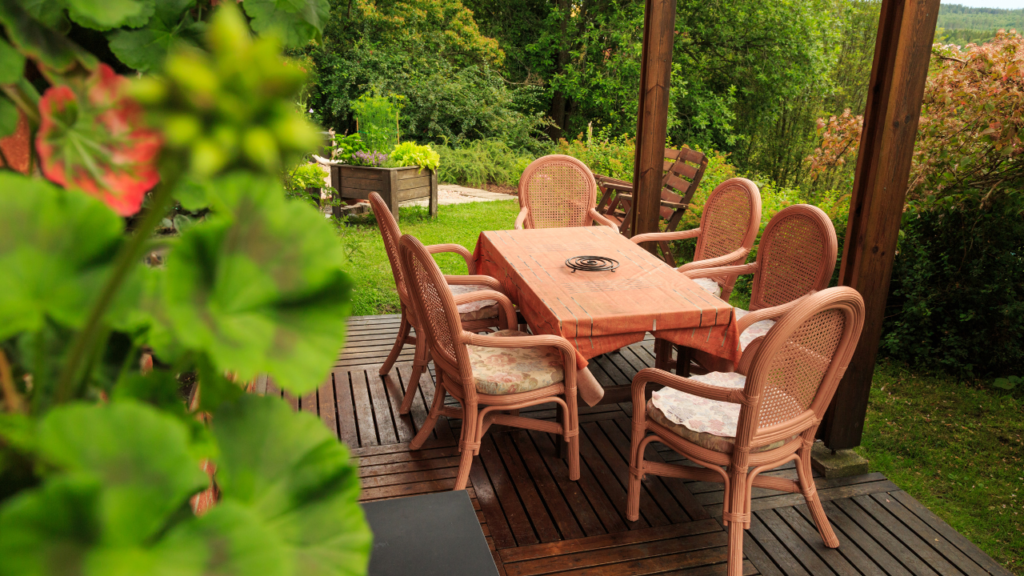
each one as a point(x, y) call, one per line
point(603, 311)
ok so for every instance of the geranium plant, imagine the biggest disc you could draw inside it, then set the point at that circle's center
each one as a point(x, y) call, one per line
point(99, 454)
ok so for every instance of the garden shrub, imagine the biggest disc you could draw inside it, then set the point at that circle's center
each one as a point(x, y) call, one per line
point(957, 294)
point(487, 161)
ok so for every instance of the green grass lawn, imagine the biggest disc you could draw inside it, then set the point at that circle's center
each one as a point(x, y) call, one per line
point(956, 447)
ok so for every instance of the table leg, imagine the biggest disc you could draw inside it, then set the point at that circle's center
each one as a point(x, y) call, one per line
point(662, 354)
point(563, 446)
point(683, 360)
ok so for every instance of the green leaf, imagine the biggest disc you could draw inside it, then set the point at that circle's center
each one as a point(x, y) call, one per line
point(298, 21)
point(56, 249)
point(57, 530)
point(1004, 384)
point(298, 479)
point(146, 48)
point(17, 432)
point(260, 287)
point(8, 117)
point(12, 63)
point(49, 12)
point(41, 43)
point(107, 14)
point(139, 454)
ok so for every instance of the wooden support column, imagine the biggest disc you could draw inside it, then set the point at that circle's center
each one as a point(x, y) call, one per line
point(906, 30)
point(652, 114)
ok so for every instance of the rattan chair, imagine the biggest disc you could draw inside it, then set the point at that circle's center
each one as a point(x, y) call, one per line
point(477, 315)
point(558, 191)
point(491, 376)
point(739, 425)
point(795, 258)
point(728, 227)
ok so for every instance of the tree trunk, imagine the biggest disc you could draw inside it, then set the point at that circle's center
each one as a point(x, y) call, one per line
point(558, 101)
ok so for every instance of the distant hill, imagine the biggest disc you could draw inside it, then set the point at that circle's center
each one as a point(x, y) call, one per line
point(962, 25)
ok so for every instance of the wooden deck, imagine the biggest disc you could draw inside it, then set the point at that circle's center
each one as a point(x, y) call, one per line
point(537, 521)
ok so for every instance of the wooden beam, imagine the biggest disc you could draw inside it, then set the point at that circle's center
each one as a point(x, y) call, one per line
point(903, 48)
point(652, 113)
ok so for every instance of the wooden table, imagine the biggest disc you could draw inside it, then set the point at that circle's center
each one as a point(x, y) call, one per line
point(603, 311)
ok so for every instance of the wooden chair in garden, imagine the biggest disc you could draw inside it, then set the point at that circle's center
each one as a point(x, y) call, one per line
point(558, 191)
point(795, 258)
point(475, 316)
point(728, 227)
point(737, 425)
point(684, 170)
point(491, 376)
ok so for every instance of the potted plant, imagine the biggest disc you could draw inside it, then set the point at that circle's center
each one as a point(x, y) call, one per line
point(99, 455)
point(372, 160)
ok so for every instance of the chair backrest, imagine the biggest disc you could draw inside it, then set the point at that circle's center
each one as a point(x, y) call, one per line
point(731, 219)
point(560, 192)
point(391, 234)
point(684, 169)
point(797, 254)
point(435, 308)
point(799, 364)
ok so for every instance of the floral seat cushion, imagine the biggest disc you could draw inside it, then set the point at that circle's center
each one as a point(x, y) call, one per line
point(754, 331)
point(479, 310)
point(501, 371)
point(710, 424)
point(709, 286)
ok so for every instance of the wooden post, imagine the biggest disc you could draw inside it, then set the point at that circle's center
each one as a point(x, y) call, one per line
point(903, 48)
point(652, 114)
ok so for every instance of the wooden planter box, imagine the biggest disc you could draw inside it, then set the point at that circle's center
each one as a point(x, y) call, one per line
point(393, 184)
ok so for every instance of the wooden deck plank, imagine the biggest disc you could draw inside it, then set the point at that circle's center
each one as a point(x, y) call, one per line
point(607, 481)
point(384, 419)
point(363, 409)
point(906, 536)
point(560, 511)
point(343, 401)
point(847, 548)
point(500, 530)
point(877, 532)
point(527, 490)
point(326, 409)
point(511, 506)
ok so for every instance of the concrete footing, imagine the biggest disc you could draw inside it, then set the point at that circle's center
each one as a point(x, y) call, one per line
point(838, 464)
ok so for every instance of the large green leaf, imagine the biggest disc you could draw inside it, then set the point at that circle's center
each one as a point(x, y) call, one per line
point(146, 48)
point(107, 14)
point(260, 287)
point(298, 21)
point(297, 479)
point(56, 248)
point(140, 455)
point(12, 63)
point(41, 43)
point(8, 117)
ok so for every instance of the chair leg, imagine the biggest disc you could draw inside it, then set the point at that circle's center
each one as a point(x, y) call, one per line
point(735, 549)
point(403, 333)
point(419, 365)
point(428, 424)
point(813, 503)
point(636, 461)
point(469, 443)
point(737, 516)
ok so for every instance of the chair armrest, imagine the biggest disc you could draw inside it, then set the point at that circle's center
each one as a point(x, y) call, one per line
point(536, 341)
point(657, 376)
point(722, 271)
point(770, 312)
point(458, 249)
point(676, 205)
point(521, 219)
point(602, 220)
point(474, 280)
point(508, 311)
point(737, 254)
point(666, 236)
point(617, 185)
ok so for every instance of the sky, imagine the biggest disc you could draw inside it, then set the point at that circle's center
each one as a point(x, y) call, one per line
point(1005, 4)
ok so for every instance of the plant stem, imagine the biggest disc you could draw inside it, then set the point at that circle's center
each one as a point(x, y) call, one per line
point(11, 397)
point(127, 258)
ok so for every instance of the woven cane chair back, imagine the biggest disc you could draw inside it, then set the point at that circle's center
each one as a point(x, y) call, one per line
point(730, 219)
point(390, 232)
point(799, 364)
point(797, 254)
point(435, 307)
point(559, 190)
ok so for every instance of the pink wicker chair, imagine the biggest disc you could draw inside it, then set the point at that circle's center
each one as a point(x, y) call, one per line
point(770, 413)
point(491, 376)
point(558, 191)
point(728, 228)
point(477, 315)
point(795, 258)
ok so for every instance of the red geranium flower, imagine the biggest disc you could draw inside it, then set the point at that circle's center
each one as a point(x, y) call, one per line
point(91, 137)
